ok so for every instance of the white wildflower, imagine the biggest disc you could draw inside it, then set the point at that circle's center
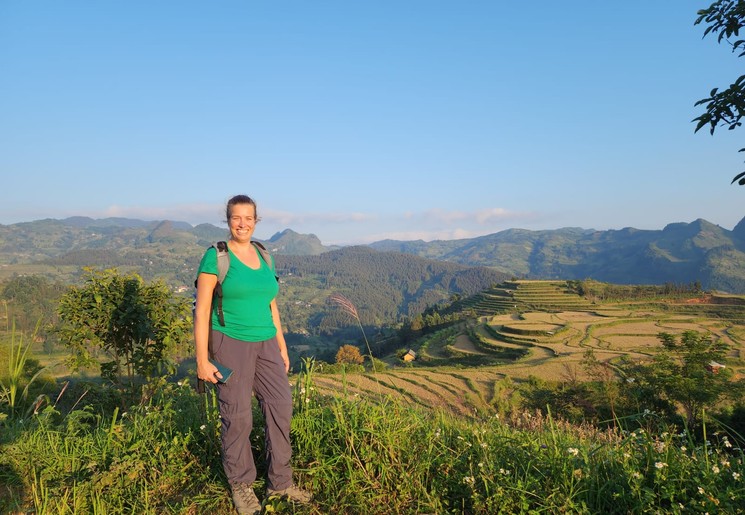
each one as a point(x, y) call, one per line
point(573, 451)
point(202, 427)
point(715, 469)
point(660, 465)
point(736, 476)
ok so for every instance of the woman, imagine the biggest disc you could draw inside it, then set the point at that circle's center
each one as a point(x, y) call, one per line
point(250, 343)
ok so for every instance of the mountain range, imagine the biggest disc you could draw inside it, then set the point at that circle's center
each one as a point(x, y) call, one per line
point(679, 253)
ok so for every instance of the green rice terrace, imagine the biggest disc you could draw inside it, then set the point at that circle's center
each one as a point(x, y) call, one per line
point(539, 329)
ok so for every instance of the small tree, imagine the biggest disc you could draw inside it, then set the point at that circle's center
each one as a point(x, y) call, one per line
point(350, 355)
point(133, 323)
point(681, 373)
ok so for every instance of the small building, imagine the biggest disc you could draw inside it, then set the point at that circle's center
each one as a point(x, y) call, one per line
point(409, 356)
point(714, 367)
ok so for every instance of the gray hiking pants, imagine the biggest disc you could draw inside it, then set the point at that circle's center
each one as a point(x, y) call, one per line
point(258, 368)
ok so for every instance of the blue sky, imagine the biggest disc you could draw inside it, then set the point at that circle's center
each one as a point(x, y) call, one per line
point(360, 121)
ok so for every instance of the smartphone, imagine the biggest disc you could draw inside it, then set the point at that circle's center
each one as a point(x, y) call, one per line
point(225, 372)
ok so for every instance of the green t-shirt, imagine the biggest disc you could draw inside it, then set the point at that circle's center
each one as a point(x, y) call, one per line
point(246, 297)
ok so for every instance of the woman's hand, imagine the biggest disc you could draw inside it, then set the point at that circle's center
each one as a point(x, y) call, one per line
point(208, 372)
point(286, 359)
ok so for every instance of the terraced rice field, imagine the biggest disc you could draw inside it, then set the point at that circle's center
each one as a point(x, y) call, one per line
point(551, 344)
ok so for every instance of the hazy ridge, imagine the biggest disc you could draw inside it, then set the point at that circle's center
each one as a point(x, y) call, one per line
point(678, 253)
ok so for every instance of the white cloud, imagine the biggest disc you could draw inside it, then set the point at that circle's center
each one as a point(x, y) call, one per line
point(411, 235)
point(338, 228)
point(479, 217)
point(192, 213)
point(298, 219)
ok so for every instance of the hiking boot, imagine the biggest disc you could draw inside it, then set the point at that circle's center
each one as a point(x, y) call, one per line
point(245, 499)
point(292, 492)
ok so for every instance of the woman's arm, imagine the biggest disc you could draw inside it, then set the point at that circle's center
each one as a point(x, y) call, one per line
point(280, 334)
point(202, 312)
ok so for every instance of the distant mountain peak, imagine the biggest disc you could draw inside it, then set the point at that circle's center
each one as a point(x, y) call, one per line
point(739, 230)
point(291, 242)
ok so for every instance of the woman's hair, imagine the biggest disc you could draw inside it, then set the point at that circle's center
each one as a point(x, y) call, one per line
point(240, 199)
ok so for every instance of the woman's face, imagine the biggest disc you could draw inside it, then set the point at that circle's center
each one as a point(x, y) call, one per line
point(242, 222)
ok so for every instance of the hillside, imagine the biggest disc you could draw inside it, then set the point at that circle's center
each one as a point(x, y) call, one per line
point(167, 250)
point(679, 253)
point(386, 286)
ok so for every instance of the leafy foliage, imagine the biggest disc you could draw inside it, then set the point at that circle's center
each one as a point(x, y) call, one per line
point(725, 18)
point(31, 299)
point(134, 323)
point(363, 457)
point(22, 371)
point(686, 373)
point(349, 354)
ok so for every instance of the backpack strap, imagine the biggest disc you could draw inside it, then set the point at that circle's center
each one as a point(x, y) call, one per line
point(223, 264)
point(223, 260)
point(266, 257)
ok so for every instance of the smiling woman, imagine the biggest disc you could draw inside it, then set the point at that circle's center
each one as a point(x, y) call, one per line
point(246, 337)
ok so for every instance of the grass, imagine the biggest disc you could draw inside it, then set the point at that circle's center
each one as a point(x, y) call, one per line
point(360, 457)
point(367, 444)
point(14, 385)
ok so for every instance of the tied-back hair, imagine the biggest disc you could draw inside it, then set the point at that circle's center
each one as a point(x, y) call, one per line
point(240, 199)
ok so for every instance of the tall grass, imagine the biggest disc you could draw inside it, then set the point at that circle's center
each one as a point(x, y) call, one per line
point(348, 307)
point(14, 381)
point(359, 457)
